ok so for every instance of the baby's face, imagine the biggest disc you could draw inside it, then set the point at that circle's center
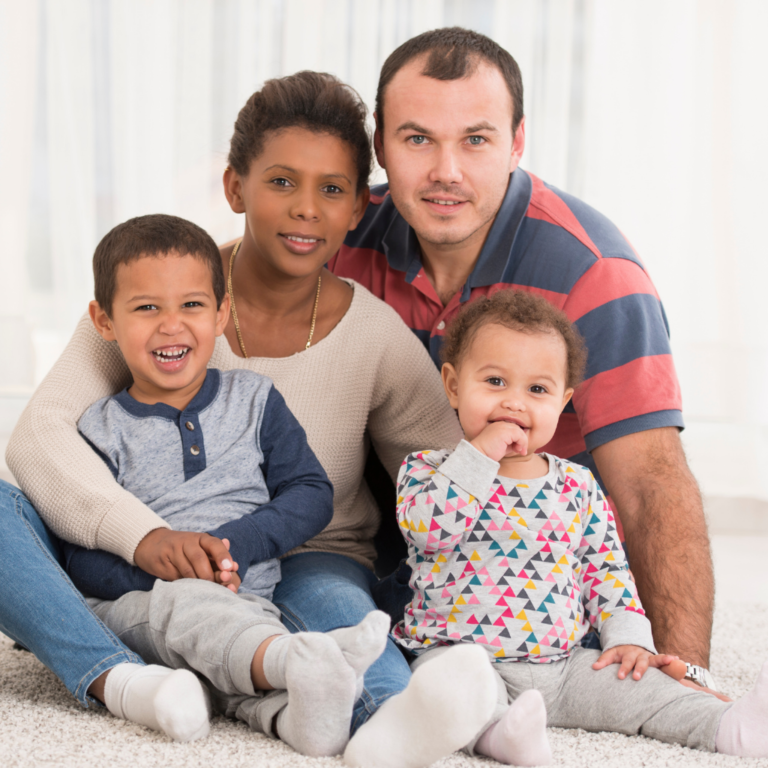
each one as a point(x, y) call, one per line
point(164, 318)
point(508, 375)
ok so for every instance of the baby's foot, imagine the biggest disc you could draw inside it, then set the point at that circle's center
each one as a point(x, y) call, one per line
point(321, 694)
point(172, 701)
point(444, 706)
point(743, 729)
point(363, 644)
point(520, 737)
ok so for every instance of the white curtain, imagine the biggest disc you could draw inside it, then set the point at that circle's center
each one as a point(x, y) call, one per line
point(651, 111)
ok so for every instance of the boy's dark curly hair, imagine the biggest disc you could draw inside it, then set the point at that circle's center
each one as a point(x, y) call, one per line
point(520, 311)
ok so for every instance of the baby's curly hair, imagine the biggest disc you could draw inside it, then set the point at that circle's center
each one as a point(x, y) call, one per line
point(520, 311)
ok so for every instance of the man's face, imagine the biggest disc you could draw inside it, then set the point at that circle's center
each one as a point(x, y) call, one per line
point(448, 150)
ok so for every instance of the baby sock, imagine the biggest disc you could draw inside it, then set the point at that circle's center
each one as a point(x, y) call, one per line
point(172, 701)
point(520, 737)
point(363, 644)
point(743, 729)
point(444, 706)
point(321, 693)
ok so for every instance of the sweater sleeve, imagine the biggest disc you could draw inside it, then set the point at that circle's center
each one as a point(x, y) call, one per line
point(409, 408)
point(301, 496)
point(610, 597)
point(451, 489)
point(69, 485)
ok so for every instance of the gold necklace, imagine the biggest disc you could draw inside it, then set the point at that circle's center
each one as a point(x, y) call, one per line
point(234, 308)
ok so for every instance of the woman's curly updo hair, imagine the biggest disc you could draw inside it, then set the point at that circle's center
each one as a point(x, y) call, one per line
point(519, 311)
point(317, 101)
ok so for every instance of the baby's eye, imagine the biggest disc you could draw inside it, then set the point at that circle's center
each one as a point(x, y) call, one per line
point(476, 141)
point(418, 140)
point(537, 389)
point(495, 381)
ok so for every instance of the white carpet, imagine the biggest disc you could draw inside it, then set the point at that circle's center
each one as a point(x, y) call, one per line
point(41, 725)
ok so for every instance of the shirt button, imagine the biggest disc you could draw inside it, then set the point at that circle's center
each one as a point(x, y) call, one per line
point(190, 426)
point(194, 450)
point(441, 325)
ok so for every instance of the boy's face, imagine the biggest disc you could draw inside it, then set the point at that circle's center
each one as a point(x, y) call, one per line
point(165, 320)
point(508, 375)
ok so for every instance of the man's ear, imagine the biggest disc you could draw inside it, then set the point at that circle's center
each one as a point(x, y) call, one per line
point(567, 395)
point(233, 190)
point(451, 384)
point(378, 142)
point(361, 203)
point(222, 315)
point(518, 146)
point(101, 321)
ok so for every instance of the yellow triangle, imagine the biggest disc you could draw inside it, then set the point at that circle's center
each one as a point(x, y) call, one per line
point(404, 524)
point(423, 528)
point(527, 627)
point(432, 472)
point(461, 600)
point(530, 585)
point(436, 569)
point(515, 535)
point(522, 616)
point(426, 641)
point(442, 559)
point(571, 529)
point(536, 650)
point(500, 654)
point(522, 522)
point(577, 519)
point(451, 618)
point(604, 616)
point(618, 583)
point(632, 604)
point(610, 556)
point(471, 499)
point(556, 569)
point(572, 637)
point(563, 560)
point(568, 470)
point(521, 485)
point(475, 556)
point(609, 577)
point(400, 499)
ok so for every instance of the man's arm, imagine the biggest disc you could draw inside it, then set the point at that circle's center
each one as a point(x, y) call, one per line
point(659, 504)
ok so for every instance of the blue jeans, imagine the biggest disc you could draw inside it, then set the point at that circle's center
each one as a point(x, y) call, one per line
point(320, 591)
point(41, 609)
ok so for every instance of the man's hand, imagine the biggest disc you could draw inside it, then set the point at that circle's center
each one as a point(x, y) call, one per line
point(172, 555)
point(500, 439)
point(632, 657)
point(659, 505)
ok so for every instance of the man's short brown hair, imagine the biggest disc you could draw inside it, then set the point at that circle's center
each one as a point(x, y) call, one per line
point(452, 53)
point(520, 311)
point(154, 235)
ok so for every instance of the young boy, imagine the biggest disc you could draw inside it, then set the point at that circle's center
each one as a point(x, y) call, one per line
point(518, 551)
point(218, 452)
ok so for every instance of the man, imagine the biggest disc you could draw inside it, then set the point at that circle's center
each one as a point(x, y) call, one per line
point(459, 220)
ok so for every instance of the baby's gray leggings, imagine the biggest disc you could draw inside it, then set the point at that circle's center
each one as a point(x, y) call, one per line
point(577, 696)
point(201, 626)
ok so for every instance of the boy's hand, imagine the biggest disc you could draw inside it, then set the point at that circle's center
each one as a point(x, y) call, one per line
point(632, 657)
point(227, 578)
point(172, 555)
point(500, 439)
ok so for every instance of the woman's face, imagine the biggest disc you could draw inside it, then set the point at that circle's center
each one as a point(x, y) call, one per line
point(299, 199)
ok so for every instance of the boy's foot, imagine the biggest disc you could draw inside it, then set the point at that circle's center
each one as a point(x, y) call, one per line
point(173, 701)
point(743, 729)
point(520, 737)
point(321, 694)
point(443, 708)
point(363, 644)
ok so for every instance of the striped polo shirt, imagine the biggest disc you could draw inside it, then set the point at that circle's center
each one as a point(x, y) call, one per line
point(550, 243)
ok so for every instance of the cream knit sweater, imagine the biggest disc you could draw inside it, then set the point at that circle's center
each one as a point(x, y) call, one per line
point(370, 377)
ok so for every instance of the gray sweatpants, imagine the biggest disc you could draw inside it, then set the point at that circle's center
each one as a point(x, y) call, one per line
point(577, 696)
point(201, 626)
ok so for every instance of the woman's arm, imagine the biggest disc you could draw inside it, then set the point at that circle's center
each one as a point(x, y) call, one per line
point(69, 485)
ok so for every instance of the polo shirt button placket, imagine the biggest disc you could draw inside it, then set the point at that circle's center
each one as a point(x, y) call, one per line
point(195, 450)
point(441, 325)
point(190, 426)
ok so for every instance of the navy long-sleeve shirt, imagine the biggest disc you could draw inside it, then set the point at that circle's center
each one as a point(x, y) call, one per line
point(235, 463)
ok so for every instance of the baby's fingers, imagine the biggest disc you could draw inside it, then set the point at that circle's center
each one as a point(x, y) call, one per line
point(607, 658)
point(628, 662)
point(641, 665)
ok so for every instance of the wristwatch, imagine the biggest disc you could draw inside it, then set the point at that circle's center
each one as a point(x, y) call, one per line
point(700, 675)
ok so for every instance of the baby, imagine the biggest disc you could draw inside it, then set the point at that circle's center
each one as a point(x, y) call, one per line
point(517, 551)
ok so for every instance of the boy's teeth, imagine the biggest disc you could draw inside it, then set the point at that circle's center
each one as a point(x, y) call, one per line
point(302, 239)
point(170, 354)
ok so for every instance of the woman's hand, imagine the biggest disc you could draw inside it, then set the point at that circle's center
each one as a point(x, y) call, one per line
point(632, 657)
point(172, 555)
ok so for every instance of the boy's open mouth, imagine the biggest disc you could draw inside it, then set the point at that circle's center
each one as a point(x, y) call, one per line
point(171, 355)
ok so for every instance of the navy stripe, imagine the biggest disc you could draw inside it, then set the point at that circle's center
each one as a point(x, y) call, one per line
point(623, 330)
point(422, 336)
point(642, 423)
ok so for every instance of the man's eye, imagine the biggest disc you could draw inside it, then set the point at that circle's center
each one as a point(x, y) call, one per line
point(476, 141)
point(419, 140)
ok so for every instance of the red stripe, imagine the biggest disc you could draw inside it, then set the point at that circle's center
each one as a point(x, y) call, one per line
point(567, 440)
point(606, 280)
point(641, 386)
point(379, 199)
point(547, 206)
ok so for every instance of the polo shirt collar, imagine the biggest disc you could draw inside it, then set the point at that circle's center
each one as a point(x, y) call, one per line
point(401, 246)
point(199, 402)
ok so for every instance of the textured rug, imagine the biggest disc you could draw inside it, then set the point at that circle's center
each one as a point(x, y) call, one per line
point(41, 725)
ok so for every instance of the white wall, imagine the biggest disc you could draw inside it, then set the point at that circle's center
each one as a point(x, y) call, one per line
point(653, 112)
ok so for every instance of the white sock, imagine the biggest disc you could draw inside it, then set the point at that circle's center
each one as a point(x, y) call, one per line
point(444, 706)
point(363, 644)
point(520, 737)
point(321, 694)
point(172, 701)
point(743, 729)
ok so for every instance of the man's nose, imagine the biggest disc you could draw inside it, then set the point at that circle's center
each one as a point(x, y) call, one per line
point(447, 166)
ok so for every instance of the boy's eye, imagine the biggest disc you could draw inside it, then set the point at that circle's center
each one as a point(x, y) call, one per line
point(188, 304)
point(332, 189)
point(146, 308)
point(476, 141)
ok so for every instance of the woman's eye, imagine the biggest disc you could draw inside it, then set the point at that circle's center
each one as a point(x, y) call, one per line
point(476, 141)
point(281, 182)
